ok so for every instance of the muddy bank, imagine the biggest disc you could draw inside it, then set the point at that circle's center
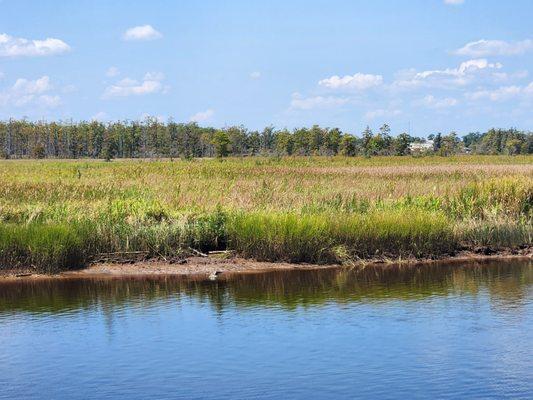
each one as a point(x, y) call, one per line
point(202, 267)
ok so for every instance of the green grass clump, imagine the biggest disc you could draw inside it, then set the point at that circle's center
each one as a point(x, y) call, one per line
point(323, 238)
point(497, 234)
point(48, 248)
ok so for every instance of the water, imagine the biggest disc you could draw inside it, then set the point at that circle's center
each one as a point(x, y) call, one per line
point(384, 333)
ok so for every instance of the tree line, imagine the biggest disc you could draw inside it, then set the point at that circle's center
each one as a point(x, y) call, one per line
point(152, 138)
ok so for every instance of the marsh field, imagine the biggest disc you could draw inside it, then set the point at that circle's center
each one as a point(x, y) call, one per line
point(63, 214)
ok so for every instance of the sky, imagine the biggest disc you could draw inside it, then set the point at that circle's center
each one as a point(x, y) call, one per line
point(422, 66)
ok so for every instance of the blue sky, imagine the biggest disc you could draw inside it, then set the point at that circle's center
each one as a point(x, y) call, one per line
point(433, 65)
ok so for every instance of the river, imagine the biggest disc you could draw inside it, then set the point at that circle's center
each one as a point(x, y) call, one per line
point(437, 331)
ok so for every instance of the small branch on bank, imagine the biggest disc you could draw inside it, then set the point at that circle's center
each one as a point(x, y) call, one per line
point(198, 253)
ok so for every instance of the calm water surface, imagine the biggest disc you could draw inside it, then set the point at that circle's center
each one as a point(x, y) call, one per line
point(462, 331)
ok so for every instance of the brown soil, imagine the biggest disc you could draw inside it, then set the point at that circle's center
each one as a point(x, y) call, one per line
point(202, 267)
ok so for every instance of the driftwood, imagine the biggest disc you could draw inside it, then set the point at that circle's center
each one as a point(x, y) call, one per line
point(221, 252)
point(198, 253)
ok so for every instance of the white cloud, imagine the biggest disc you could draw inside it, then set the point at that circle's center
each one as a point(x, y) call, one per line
point(18, 47)
point(504, 76)
point(500, 94)
point(131, 87)
point(202, 116)
point(25, 86)
point(30, 92)
point(454, 2)
point(143, 32)
point(470, 66)
point(112, 72)
point(49, 101)
point(255, 75)
point(357, 81)
point(381, 113)
point(528, 90)
point(431, 102)
point(462, 75)
point(154, 76)
point(484, 48)
point(299, 102)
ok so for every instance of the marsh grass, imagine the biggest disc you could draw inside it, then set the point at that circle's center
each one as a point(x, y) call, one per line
point(323, 238)
point(47, 248)
point(56, 215)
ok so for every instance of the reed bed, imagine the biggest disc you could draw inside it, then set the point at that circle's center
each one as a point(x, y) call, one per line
point(59, 214)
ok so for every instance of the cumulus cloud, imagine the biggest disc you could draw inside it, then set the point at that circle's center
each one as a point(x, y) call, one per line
point(485, 48)
point(25, 86)
point(151, 83)
point(19, 47)
point(142, 32)
point(30, 92)
point(202, 116)
point(454, 2)
point(255, 75)
point(300, 102)
point(357, 81)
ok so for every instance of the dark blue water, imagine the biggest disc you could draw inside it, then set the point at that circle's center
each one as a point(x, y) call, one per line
point(382, 333)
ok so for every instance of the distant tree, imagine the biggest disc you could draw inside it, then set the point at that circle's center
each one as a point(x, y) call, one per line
point(366, 139)
point(302, 142)
point(386, 140)
point(471, 139)
point(221, 142)
point(437, 142)
point(267, 139)
point(401, 145)
point(254, 143)
point(237, 136)
point(316, 139)
point(450, 145)
point(514, 146)
point(348, 145)
point(284, 143)
point(333, 141)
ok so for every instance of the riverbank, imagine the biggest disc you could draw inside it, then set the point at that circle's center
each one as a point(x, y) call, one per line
point(201, 267)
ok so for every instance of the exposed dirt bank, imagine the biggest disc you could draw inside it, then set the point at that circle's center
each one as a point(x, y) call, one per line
point(202, 267)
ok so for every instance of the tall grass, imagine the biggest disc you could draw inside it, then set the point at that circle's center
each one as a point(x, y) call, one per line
point(56, 215)
point(48, 248)
point(339, 237)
